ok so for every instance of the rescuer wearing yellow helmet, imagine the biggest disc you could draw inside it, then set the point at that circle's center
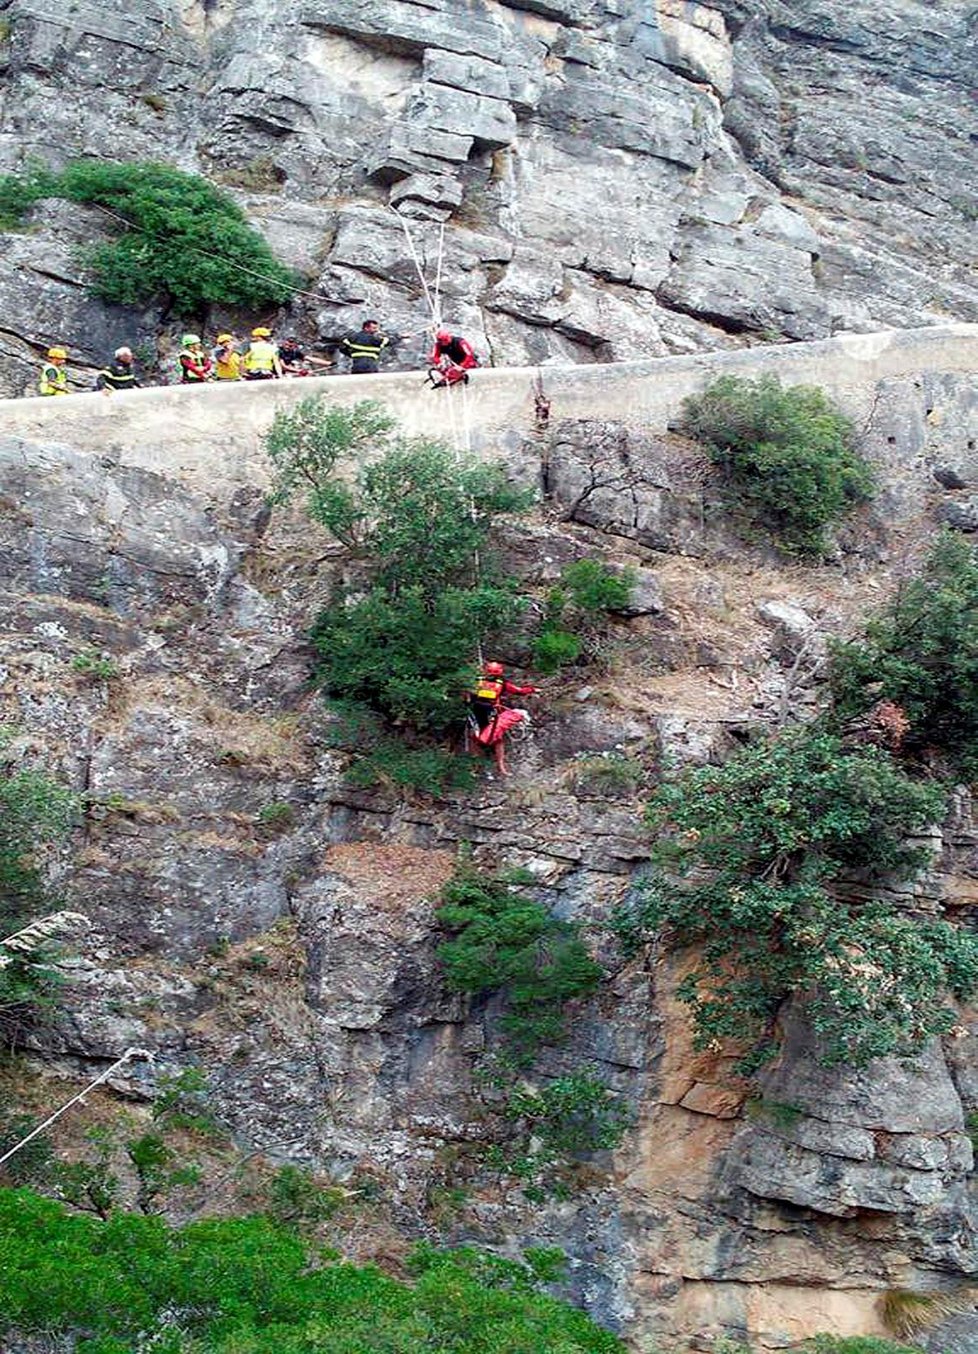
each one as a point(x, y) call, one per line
point(227, 359)
point(54, 374)
point(261, 361)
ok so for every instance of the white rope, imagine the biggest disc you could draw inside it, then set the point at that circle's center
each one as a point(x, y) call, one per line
point(436, 315)
point(461, 434)
point(417, 262)
point(129, 1054)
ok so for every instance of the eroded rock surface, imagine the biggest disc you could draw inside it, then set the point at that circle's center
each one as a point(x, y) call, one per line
point(293, 954)
point(648, 178)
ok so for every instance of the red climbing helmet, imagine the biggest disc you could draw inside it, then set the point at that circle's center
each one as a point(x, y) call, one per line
point(493, 669)
point(443, 336)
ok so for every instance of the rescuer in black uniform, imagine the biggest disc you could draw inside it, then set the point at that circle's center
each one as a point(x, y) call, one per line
point(364, 349)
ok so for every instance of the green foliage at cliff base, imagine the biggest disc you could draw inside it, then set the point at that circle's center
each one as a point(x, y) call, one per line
point(246, 1286)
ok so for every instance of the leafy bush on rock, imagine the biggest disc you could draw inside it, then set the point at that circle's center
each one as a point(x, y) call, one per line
point(181, 237)
point(788, 455)
point(748, 859)
point(921, 652)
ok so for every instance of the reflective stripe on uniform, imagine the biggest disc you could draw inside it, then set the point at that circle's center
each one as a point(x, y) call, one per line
point(54, 380)
point(261, 356)
point(488, 691)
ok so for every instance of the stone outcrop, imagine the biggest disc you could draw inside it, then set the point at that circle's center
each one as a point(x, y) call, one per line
point(293, 956)
point(653, 178)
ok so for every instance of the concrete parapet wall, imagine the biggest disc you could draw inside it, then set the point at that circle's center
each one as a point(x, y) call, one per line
point(210, 436)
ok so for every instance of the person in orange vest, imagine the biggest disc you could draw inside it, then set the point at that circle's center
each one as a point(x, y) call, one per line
point(54, 374)
point(451, 360)
point(489, 711)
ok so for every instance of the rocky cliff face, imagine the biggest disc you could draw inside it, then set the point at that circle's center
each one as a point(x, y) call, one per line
point(293, 956)
point(615, 178)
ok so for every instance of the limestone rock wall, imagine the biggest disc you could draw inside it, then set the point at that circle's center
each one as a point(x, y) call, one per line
point(616, 178)
point(295, 959)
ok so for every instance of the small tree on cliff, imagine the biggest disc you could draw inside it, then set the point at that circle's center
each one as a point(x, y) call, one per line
point(748, 857)
point(35, 813)
point(788, 456)
point(177, 235)
point(401, 642)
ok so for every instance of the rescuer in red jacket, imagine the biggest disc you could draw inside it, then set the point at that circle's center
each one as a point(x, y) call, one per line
point(487, 703)
point(452, 358)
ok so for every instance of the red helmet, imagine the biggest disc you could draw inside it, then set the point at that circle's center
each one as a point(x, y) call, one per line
point(493, 669)
point(443, 336)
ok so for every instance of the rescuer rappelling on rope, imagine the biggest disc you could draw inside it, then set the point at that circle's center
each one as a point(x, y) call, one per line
point(491, 717)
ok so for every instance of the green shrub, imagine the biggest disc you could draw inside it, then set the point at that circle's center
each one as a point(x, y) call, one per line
point(576, 612)
point(95, 665)
point(569, 1117)
point(306, 442)
point(505, 941)
point(183, 1099)
point(752, 848)
point(388, 762)
point(418, 515)
point(921, 652)
point(35, 813)
point(554, 649)
point(248, 1285)
point(509, 944)
point(574, 1113)
point(788, 455)
point(596, 590)
point(276, 817)
point(426, 769)
point(408, 653)
point(182, 238)
point(296, 1197)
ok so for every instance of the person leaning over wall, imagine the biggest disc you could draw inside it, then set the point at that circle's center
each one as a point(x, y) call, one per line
point(120, 374)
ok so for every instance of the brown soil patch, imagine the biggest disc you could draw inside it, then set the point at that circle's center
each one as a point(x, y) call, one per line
point(394, 875)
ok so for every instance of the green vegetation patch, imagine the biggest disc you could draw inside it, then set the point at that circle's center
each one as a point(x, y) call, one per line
point(745, 861)
point(248, 1285)
point(506, 941)
point(788, 455)
point(180, 236)
point(921, 652)
point(35, 814)
point(508, 944)
point(396, 650)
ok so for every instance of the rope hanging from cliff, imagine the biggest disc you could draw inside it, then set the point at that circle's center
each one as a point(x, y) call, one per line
point(129, 1054)
point(417, 265)
point(461, 438)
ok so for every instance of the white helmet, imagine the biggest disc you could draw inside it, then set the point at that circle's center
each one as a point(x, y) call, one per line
point(123, 354)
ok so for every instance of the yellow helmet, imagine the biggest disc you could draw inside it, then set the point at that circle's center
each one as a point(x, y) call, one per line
point(225, 338)
point(57, 352)
point(261, 332)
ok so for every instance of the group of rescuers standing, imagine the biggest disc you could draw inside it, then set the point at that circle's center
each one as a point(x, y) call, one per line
point(490, 715)
point(263, 359)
